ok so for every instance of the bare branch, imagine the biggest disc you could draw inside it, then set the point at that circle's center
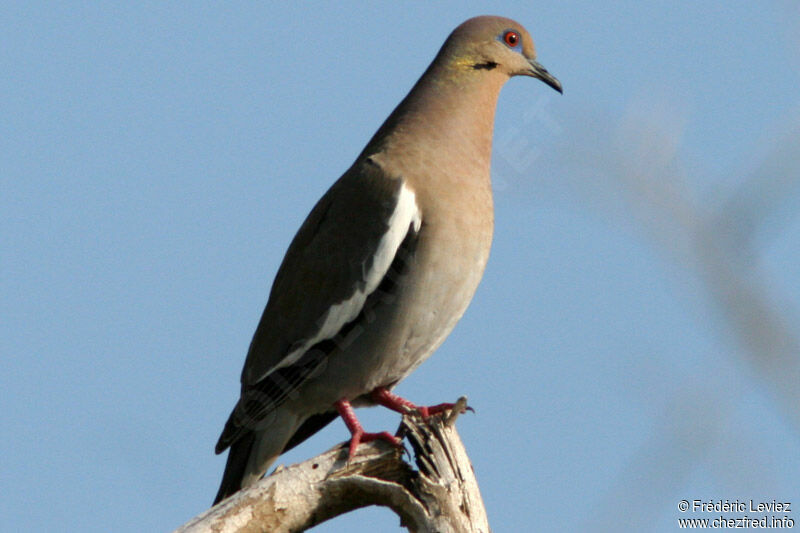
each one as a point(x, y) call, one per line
point(440, 495)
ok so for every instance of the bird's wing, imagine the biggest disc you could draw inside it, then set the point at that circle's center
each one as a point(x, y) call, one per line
point(340, 256)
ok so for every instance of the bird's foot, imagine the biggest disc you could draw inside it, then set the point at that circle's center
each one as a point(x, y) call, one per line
point(357, 433)
point(360, 437)
point(386, 398)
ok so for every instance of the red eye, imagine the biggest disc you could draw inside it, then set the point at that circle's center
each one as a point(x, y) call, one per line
point(511, 38)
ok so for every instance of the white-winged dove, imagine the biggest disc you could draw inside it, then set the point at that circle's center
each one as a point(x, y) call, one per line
point(386, 262)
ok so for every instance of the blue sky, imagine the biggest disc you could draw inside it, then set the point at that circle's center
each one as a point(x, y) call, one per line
point(157, 158)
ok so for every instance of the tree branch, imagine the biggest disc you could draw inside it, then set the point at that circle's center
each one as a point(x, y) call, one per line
point(441, 494)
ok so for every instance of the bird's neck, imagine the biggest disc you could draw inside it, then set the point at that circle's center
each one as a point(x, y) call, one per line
point(448, 107)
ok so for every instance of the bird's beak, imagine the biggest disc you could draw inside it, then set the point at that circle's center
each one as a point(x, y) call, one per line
point(539, 72)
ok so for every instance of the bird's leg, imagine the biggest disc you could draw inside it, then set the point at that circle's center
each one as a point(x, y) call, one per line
point(357, 433)
point(386, 398)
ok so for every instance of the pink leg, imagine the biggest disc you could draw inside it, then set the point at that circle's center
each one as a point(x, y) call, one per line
point(356, 431)
point(383, 396)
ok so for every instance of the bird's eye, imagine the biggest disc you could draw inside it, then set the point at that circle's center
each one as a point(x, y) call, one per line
point(511, 38)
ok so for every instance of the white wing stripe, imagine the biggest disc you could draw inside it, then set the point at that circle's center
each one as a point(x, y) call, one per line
point(405, 213)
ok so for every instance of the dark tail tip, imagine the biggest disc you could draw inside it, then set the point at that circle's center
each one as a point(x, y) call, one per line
point(235, 467)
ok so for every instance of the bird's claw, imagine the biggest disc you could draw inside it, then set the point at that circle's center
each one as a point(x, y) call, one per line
point(427, 412)
point(396, 403)
point(359, 437)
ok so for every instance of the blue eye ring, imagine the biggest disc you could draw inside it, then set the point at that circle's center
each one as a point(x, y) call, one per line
point(511, 38)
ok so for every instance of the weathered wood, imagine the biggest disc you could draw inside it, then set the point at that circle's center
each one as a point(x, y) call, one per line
point(440, 495)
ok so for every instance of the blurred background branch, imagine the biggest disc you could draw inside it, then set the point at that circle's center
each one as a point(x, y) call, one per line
point(633, 174)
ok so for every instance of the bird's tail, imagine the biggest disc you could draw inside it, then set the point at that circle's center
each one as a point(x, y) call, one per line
point(252, 451)
point(236, 466)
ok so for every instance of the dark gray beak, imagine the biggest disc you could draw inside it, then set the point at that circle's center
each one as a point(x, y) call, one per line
point(539, 72)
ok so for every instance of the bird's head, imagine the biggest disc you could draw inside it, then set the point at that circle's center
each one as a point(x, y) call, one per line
point(497, 45)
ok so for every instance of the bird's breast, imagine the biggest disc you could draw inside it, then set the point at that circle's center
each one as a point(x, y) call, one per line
point(449, 258)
